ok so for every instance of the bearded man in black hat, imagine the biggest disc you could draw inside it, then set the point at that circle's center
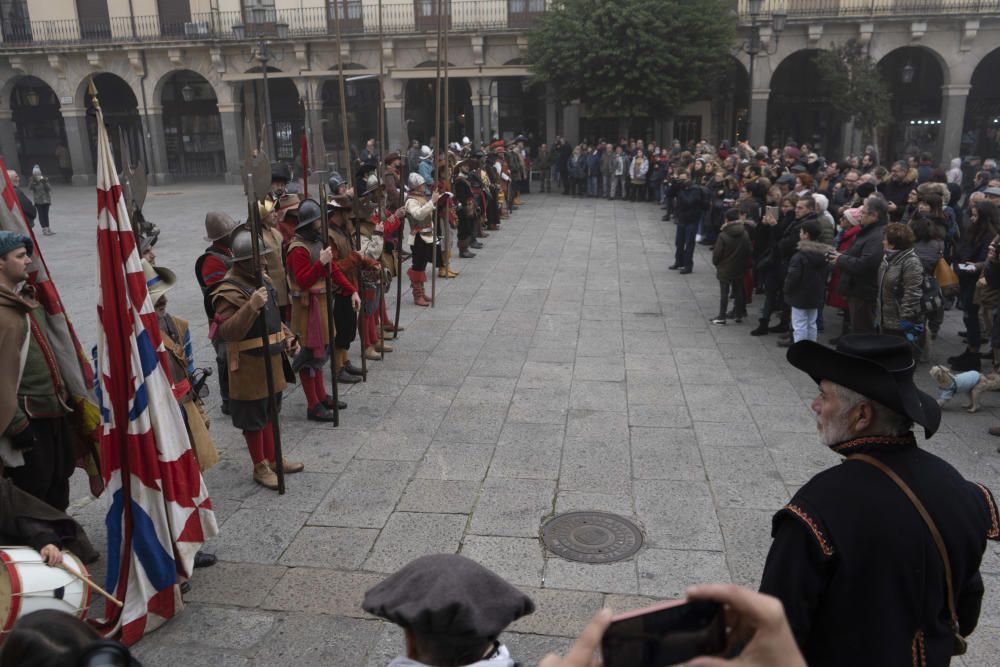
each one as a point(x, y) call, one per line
point(877, 560)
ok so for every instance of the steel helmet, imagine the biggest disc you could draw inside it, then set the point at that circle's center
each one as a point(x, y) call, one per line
point(243, 245)
point(334, 182)
point(309, 212)
point(218, 226)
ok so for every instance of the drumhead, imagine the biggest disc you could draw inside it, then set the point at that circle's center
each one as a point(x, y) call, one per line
point(8, 585)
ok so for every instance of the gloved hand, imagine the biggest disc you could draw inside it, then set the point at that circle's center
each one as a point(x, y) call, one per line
point(908, 326)
point(24, 440)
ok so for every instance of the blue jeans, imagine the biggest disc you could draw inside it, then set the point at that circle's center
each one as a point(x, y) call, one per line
point(593, 188)
point(684, 240)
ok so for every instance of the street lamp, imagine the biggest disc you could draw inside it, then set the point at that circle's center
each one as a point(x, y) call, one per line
point(187, 93)
point(754, 46)
point(908, 72)
point(261, 52)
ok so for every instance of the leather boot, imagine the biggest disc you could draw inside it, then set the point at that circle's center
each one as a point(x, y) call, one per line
point(417, 280)
point(288, 467)
point(761, 329)
point(371, 354)
point(263, 475)
point(382, 347)
point(463, 250)
point(344, 376)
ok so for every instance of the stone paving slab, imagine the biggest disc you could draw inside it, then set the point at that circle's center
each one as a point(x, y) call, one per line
point(565, 369)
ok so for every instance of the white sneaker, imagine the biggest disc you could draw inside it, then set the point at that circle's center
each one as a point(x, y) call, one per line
point(720, 321)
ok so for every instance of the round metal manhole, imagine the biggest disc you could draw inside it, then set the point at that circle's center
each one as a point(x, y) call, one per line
point(591, 537)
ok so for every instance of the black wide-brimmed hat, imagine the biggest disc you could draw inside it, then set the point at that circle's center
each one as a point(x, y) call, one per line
point(877, 367)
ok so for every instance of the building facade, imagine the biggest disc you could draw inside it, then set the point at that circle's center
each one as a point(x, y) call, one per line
point(179, 78)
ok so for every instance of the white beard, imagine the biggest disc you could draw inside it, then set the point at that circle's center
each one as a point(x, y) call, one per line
point(834, 432)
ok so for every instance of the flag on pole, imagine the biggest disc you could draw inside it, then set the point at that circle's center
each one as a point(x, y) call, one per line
point(72, 361)
point(160, 512)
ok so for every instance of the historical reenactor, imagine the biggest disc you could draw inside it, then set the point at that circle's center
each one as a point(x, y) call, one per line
point(373, 241)
point(37, 444)
point(24, 519)
point(346, 304)
point(244, 313)
point(307, 261)
point(419, 216)
point(210, 268)
point(274, 261)
point(877, 559)
point(391, 182)
point(288, 218)
point(452, 610)
point(280, 176)
point(176, 336)
point(447, 219)
point(479, 181)
point(466, 207)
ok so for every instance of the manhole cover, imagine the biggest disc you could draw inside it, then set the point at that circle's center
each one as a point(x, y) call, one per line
point(591, 537)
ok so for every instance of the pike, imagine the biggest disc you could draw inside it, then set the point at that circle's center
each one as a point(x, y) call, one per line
point(256, 181)
point(437, 151)
point(350, 175)
point(381, 192)
point(330, 346)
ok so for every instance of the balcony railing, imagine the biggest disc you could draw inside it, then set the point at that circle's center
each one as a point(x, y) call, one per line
point(853, 9)
point(358, 18)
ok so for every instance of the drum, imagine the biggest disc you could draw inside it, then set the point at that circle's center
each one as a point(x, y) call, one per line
point(27, 584)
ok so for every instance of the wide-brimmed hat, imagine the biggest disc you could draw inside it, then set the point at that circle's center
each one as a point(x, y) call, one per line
point(288, 204)
point(340, 203)
point(159, 280)
point(876, 366)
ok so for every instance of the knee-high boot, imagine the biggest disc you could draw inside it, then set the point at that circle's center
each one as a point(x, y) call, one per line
point(417, 280)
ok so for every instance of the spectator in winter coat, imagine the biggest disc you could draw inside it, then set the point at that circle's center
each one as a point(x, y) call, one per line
point(731, 256)
point(617, 167)
point(929, 250)
point(690, 203)
point(955, 171)
point(971, 253)
point(607, 170)
point(637, 175)
point(594, 172)
point(896, 189)
point(900, 278)
point(805, 281)
point(859, 266)
point(850, 226)
point(578, 172)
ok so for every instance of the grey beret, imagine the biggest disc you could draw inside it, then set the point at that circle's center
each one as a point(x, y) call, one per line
point(448, 594)
point(12, 241)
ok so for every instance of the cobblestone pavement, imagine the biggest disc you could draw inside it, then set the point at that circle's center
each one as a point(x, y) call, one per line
point(565, 369)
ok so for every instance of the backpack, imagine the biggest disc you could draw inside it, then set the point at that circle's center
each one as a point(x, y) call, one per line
point(931, 297)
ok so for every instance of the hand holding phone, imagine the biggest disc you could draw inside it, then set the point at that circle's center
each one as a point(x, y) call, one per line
point(670, 633)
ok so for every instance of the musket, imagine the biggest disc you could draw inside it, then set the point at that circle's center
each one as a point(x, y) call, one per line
point(330, 344)
point(256, 180)
point(350, 171)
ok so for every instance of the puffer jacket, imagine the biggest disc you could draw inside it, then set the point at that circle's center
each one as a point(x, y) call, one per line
point(731, 254)
point(859, 265)
point(899, 293)
point(805, 282)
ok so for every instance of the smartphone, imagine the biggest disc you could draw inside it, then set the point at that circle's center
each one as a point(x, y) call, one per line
point(666, 634)
point(773, 211)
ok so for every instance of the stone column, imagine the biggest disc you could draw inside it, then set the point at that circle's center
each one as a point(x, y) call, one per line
point(758, 115)
point(550, 116)
point(952, 122)
point(8, 140)
point(480, 110)
point(313, 108)
point(231, 120)
point(571, 123)
point(78, 142)
point(159, 169)
point(396, 138)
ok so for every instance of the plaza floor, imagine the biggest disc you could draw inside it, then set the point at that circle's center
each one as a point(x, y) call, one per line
point(565, 369)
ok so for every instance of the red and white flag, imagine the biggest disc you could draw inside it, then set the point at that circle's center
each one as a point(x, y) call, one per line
point(160, 512)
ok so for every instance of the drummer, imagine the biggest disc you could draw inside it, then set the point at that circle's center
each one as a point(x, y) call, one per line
point(25, 520)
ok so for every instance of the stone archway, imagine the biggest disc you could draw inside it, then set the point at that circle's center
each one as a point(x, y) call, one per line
point(799, 108)
point(40, 132)
point(362, 98)
point(981, 131)
point(121, 116)
point(287, 114)
point(192, 126)
point(419, 109)
point(915, 76)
